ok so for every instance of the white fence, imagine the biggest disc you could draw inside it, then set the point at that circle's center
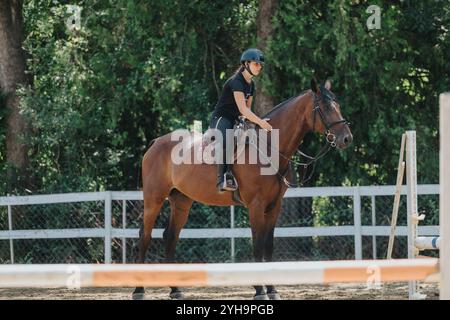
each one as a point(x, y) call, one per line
point(357, 230)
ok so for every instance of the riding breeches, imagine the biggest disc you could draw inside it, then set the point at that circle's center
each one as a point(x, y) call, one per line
point(222, 124)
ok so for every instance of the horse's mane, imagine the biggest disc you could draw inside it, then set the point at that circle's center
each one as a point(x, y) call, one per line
point(282, 104)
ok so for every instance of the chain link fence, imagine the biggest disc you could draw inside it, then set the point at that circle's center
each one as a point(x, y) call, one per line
point(47, 217)
point(428, 204)
point(75, 232)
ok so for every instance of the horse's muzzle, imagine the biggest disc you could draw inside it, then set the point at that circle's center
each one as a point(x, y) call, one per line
point(345, 141)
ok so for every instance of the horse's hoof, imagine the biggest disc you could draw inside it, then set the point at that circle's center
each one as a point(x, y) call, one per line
point(138, 296)
point(177, 295)
point(274, 296)
point(261, 297)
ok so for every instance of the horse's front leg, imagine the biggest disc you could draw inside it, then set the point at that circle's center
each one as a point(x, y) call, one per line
point(271, 218)
point(256, 215)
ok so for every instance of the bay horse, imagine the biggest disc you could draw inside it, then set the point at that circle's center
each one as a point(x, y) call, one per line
point(182, 184)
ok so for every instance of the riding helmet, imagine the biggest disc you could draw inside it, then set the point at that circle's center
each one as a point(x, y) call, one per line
point(253, 54)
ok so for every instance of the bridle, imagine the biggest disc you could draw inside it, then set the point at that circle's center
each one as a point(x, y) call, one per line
point(331, 143)
point(330, 137)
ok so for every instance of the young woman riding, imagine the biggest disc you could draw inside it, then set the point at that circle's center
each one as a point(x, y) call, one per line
point(236, 100)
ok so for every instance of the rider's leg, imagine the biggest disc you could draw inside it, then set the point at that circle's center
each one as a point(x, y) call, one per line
point(228, 151)
point(222, 124)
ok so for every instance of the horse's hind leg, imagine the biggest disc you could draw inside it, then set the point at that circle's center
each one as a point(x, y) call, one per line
point(152, 207)
point(179, 207)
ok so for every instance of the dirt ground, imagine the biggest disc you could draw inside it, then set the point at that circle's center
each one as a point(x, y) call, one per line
point(392, 291)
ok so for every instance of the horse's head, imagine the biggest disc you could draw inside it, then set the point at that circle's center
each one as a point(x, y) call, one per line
point(327, 117)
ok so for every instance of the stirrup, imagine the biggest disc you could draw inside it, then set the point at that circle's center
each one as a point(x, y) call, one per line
point(230, 183)
point(221, 183)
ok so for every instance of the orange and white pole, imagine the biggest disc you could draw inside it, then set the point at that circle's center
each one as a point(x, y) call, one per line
point(220, 274)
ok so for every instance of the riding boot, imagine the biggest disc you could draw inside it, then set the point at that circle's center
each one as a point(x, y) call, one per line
point(225, 179)
point(221, 169)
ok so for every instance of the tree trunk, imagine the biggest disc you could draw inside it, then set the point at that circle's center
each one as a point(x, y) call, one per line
point(12, 74)
point(264, 27)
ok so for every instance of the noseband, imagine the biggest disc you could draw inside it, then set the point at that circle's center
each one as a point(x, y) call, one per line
point(330, 137)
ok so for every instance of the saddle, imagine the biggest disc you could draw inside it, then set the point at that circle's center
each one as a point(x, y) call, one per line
point(240, 131)
point(241, 139)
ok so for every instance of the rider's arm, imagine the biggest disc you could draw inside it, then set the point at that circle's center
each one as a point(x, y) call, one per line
point(244, 110)
point(249, 102)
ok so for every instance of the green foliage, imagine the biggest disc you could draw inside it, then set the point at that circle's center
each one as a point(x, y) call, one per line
point(137, 70)
point(133, 72)
point(387, 80)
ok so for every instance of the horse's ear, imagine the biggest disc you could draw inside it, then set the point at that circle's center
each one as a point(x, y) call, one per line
point(314, 85)
point(328, 85)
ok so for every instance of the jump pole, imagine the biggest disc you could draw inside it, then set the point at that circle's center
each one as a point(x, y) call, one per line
point(398, 189)
point(370, 272)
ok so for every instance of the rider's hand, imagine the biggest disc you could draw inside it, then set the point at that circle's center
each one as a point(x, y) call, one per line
point(265, 125)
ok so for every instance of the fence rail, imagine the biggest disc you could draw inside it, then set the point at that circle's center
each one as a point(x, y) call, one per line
point(108, 232)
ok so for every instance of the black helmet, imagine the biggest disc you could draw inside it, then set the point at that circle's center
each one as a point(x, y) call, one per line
point(253, 54)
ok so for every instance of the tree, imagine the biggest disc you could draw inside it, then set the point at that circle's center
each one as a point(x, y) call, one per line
point(12, 75)
point(264, 29)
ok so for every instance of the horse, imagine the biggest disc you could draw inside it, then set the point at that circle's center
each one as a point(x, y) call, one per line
point(315, 109)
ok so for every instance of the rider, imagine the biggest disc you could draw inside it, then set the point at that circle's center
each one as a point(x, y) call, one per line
point(236, 100)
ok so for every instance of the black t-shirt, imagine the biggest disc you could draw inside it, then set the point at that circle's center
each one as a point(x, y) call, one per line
point(227, 107)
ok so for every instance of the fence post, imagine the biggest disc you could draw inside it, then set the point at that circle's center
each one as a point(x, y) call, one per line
point(232, 238)
point(413, 216)
point(108, 226)
point(357, 223)
point(124, 224)
point(374, 223)
point(11, 243)
point(444, 198)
